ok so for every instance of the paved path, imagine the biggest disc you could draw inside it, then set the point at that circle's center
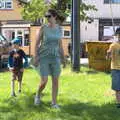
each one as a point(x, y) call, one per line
point(84, 61)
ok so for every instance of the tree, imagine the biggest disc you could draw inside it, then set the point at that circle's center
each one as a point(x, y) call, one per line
point(36, 9)
point(64, 8)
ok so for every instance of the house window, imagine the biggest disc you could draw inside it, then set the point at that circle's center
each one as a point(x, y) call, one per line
point(69, 6)
point(26, 41)
point(26, 38)
point(6, 4)
point(112, 1)
point(22, 34)
point(66, 34)
point(2, 4)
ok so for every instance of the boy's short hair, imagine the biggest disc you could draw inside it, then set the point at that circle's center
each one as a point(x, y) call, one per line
point(16, 41)
point(117, 32)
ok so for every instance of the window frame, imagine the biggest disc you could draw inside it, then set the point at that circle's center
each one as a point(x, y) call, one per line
point(9, 2)
point(65, 36)
point(112, 2)
point(17, 34)
point(4, 2)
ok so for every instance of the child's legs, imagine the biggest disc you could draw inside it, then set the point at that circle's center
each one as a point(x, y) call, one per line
point(118, 96)
point(12, 86)
point(14, 76)
point(20, 76)
point(116, 83)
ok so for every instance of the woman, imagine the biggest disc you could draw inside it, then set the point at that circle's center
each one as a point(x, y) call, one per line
point(48, 48)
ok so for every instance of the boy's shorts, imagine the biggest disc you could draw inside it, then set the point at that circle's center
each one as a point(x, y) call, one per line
point(17, 75)
point(115, 79)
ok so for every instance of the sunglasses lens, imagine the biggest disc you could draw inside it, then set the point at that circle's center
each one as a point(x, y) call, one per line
point(48, 16)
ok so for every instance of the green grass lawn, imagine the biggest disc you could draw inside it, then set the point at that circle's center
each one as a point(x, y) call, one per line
point(82, 96)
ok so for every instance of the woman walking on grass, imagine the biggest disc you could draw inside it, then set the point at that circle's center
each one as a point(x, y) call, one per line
point(47, 56)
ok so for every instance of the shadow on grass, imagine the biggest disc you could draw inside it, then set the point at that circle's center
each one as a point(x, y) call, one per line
point(4, 70)
point(93, 71)
point(73, 110)
point(23, 102)
point(85, 69)
point(81, 111)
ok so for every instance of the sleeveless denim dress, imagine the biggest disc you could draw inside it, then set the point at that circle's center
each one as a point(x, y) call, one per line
point(49, 55)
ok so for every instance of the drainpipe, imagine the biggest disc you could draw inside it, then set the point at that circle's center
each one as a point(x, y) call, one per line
point(30, 41)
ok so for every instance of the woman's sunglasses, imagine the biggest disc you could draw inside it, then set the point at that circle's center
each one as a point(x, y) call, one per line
point(48, 16)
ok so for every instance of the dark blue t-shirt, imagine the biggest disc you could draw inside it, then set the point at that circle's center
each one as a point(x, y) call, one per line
point(16, 58)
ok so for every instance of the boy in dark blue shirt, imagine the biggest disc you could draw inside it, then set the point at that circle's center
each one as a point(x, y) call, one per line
point(15, 64)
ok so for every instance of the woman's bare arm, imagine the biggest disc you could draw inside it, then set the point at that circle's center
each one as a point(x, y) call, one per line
point(62, 53)
point(37, 45)
point(38, 40)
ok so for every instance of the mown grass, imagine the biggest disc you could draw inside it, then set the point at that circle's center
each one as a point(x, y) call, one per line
point(82, 96)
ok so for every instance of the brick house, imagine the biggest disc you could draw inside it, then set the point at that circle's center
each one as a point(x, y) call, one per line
point(13, 25)
point(104, 19)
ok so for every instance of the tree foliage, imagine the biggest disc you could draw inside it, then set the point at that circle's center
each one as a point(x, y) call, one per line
point(34, 10)
point(37, 8)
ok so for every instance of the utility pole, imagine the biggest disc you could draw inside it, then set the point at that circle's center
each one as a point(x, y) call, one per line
point(0, 51)
point(76, 35)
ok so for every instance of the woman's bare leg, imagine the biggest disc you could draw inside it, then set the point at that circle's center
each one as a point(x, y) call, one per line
point(54, 89)
point(42, 85)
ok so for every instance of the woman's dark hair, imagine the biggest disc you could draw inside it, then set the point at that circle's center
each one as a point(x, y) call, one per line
point(56, 13)
point(53, 12)
point(60, 19)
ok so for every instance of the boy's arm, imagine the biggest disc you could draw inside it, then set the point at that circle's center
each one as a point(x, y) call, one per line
point(109, 53)
point(26, 60)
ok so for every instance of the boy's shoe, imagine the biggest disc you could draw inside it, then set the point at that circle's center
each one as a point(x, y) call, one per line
point(55, 106)
point(13, 94)
point(37, 100)
point(118, 105)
